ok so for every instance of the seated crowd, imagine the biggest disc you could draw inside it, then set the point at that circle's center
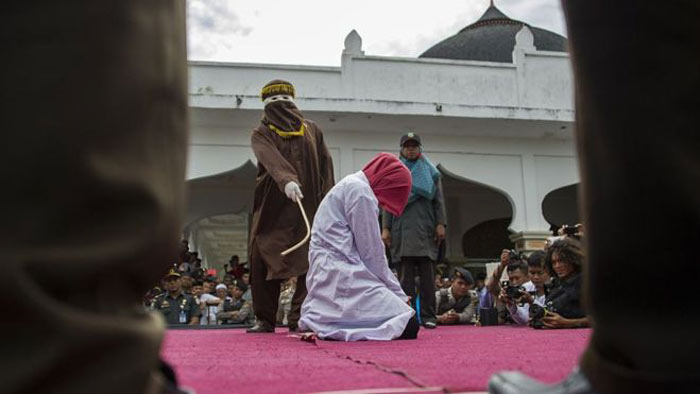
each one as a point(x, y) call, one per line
point(543, 290)
point(190, 295)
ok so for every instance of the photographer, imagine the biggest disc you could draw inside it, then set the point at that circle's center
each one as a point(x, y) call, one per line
point(564, 262)
point(517, 273)
point(539, 277)
point(518, 285)
point(457, 303)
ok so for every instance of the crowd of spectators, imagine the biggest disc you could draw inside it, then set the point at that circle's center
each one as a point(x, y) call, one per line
point(192, 295)
point(542, 290)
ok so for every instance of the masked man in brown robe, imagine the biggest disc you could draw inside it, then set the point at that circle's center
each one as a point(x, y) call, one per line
point(293, 163)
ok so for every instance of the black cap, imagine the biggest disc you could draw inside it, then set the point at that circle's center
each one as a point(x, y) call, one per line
point(410, 137)
point(172, 274)
point(463, 273)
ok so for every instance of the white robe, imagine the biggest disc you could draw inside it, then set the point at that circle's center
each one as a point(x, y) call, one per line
point(352, 294)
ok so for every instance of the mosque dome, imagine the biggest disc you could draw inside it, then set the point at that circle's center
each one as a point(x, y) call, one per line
point(492, 39)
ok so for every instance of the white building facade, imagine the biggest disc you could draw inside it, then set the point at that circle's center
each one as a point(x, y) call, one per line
point(500, 132)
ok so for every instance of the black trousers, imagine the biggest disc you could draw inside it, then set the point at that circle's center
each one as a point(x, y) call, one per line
point(424, 268)
point(637, 70)
point(266, 293)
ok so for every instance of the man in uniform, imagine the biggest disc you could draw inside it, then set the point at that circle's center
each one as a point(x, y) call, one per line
point(236, 310)
point(176, 306)
point(414, 237)
point(457, 303)
point(293, 164)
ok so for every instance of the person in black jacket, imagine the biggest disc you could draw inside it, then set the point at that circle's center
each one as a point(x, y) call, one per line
point(564, 261)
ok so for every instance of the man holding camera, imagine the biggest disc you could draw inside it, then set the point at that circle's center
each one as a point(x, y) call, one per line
point(502, 295)
point(517, 272)
point(457, 303)
point(519, 308)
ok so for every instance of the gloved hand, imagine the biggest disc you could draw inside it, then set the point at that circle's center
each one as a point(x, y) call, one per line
point(293, 191)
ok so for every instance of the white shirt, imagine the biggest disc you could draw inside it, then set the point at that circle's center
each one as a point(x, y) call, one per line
point(521, 314)
point(211, 309)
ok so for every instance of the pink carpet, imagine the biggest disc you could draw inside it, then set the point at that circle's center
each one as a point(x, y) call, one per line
point(453, 359)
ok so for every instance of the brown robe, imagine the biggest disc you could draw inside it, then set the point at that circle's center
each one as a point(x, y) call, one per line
point(277, 223)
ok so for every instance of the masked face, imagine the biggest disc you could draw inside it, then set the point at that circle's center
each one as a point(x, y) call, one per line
point(279, 97)
point(283, 114)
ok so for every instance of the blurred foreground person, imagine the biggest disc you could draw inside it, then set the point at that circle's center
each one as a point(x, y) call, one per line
point(352, 294)
point(637, 69)
point(94, 121)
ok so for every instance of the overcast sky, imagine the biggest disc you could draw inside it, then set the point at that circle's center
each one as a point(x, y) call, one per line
point(312, 32)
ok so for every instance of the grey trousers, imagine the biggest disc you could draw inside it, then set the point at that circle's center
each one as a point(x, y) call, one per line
point(94, 128)
point(637, 70)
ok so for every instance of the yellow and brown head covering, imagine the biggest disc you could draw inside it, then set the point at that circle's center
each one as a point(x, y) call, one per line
point(277, 87)
point(281, 113)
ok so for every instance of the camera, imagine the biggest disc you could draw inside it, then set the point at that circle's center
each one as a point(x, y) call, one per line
point(512, 292)
point(538, 312)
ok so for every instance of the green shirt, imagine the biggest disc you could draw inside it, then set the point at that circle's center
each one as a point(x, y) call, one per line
point(171, 307)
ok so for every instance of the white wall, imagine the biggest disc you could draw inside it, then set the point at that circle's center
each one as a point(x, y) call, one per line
point(538, 86)
point(507, 126)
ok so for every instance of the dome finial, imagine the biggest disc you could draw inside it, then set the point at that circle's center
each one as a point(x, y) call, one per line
point(492, 4)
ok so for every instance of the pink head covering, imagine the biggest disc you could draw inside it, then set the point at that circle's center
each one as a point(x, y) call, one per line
point(390, 181)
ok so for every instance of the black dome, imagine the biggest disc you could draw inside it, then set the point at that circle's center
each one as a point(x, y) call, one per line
point(492, 39)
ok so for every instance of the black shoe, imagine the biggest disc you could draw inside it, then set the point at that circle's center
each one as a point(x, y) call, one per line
point(293, 327)
point(430, 325)
point(260, 327)
point(518, 383)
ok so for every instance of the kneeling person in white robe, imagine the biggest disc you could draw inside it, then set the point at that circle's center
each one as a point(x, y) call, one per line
point(352, 294)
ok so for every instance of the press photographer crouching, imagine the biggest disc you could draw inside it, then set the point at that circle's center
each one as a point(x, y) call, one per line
point(457, 303)
point(519, 304)
point(562, 308)
point(517, 286)
point(492, 303)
